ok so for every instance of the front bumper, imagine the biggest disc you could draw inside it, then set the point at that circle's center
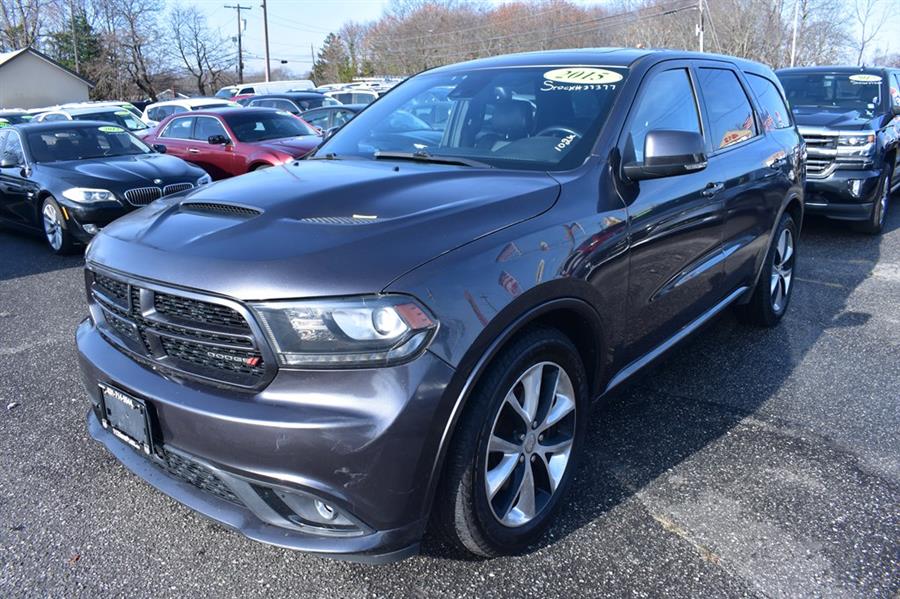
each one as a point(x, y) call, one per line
point(364, 441)
point(844, 194)
point(80, 215)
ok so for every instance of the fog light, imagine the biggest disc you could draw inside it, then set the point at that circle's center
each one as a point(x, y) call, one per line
point(855, 187)
point(91, 229)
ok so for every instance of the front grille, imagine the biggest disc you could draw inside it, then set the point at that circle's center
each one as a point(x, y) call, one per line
point(818, 166)
point(812, 140)
point(176, 187)
point(141, 196)
point(197, 475)
point(217, 208)
point(203, 339)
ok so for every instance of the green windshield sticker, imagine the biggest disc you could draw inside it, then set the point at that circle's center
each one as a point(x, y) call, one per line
point(580, 79)
point(123, 113)
point(4, 121)
point(112, 130)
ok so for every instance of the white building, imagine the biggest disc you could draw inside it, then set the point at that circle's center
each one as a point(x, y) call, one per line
point(30, 79)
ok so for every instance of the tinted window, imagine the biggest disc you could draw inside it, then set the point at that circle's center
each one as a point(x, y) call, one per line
point(774, 112)
point(82, 143)
point(728, 109)
point(261, 125)
point(833, 91)
point(341, 117)
point(179, 129)
point(14, 119)
point(285, 105)
point(666, 102)
point(3, 135)
point(53, 117)
point(123, 118)
point(206, 127)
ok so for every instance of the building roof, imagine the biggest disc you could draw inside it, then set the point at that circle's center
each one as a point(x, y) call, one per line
point(7, 57)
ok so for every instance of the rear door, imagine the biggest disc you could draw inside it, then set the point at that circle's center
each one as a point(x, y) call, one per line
point(675, 223)
point(749, 165)
point(15, 188)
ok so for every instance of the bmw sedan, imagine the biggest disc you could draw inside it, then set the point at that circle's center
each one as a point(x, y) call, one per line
point(69, 179)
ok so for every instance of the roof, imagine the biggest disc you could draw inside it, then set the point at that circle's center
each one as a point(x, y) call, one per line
point(191, 102)
point(303, 95)
point(85, 109)
point(54, 125)
point(832, 69)
point(7, 57)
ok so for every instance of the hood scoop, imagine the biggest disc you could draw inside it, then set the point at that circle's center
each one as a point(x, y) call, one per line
point(235, 210)
point(356, 219)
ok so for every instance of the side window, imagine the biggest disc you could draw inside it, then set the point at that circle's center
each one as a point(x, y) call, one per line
point(3, 135)
point(775, 113)
point(175, 109)
point(13, 149)
point(728, 109)
point(341, 117)
point(319, 119)
point(259, 103)
point(179, 129)
point(895, 89)
point(245, 90)
point(285, 105)
point(207, 127)
point(667, 101)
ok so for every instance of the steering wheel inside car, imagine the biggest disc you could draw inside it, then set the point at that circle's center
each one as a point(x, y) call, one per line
point(558, 129)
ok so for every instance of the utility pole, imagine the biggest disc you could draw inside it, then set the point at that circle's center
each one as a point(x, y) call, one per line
point(266, 38)
point(74, 38)
point(794, 37)
point(700, 23)
point(239, 8)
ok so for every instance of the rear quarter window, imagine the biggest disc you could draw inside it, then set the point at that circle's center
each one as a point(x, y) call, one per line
point(773, 111)
point(728, 108)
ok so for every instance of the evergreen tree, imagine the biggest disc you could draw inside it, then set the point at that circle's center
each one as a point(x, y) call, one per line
point(333, 63)
point(62, 48)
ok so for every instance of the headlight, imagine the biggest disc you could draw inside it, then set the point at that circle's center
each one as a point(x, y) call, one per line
point(204, 180)
point(856, 140)
point(353, 332)
point(84, 195)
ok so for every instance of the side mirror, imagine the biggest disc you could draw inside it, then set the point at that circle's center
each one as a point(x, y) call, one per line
point(217, 140)
point(668, 153)
point(160, 148)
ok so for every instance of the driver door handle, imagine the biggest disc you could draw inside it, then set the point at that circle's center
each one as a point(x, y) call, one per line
point(193, 151)
point(713, 188)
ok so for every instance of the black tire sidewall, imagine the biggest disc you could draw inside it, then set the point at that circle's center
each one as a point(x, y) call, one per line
point(551, 348)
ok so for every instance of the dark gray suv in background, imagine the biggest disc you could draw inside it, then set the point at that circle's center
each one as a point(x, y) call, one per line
point(410, 325)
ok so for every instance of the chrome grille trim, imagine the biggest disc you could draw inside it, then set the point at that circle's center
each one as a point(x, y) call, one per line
point(176, 187)
point(215, 352)
point(141, 196)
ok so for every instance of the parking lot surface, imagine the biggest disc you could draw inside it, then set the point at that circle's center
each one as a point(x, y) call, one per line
point(750, 463)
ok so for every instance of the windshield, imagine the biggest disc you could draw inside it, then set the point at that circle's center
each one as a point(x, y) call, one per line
point(226, 92)
point(536, 118)
point(860, 92)
point(123, 118)
point(69, 143)
point(14, 119)
point(262, 125)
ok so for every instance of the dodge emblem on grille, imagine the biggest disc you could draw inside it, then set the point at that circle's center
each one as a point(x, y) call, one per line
point(251, 361)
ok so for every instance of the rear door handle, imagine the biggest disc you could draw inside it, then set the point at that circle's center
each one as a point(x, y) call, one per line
point(713, 188)
point(193, 151)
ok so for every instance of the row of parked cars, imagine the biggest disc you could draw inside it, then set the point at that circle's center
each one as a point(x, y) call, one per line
point(406, 328)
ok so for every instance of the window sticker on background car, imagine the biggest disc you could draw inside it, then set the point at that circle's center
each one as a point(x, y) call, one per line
point(565, 142)
point(123, 113)
point(111, 129)
point(4, 123)
point(865, 79)
point(580, 79)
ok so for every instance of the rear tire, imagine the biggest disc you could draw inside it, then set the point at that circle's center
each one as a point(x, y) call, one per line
point(56, 229)
point(505, 477)
point(773, 291)
point(875, 223)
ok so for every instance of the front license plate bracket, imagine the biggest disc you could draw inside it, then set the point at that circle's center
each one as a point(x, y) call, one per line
point(126, 417)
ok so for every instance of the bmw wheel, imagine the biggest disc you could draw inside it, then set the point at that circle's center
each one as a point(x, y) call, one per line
point(56, 231)
point(514, 453)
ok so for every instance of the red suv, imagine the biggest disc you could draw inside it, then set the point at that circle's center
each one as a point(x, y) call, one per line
point(229, 142)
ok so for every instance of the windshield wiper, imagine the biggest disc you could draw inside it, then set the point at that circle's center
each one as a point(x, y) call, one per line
point(423, 156)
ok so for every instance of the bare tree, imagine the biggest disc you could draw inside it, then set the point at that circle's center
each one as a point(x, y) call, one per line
point(869, 18)
point(202, 52)
point(20, 22)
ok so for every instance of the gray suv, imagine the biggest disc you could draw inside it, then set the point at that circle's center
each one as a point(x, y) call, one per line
point(409, 326)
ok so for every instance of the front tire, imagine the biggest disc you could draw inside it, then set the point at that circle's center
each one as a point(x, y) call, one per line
point(875, 223)
point(56, 229)
point(515, 449)
point(773, 291)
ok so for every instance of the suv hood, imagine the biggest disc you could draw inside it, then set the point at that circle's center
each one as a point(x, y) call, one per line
point(832, 119)
point(324, 227)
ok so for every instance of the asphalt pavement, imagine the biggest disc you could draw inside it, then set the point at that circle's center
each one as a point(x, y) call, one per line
point(750, 463)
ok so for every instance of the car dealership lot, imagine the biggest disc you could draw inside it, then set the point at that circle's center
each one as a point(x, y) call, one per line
point(750, 463)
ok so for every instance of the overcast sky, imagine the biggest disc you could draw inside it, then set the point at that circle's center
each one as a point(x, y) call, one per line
point(295, 25)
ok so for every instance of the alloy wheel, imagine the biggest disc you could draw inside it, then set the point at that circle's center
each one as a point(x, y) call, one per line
point(52, 226)
point(530, 444)
point(782, 270)
point(883, 202)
